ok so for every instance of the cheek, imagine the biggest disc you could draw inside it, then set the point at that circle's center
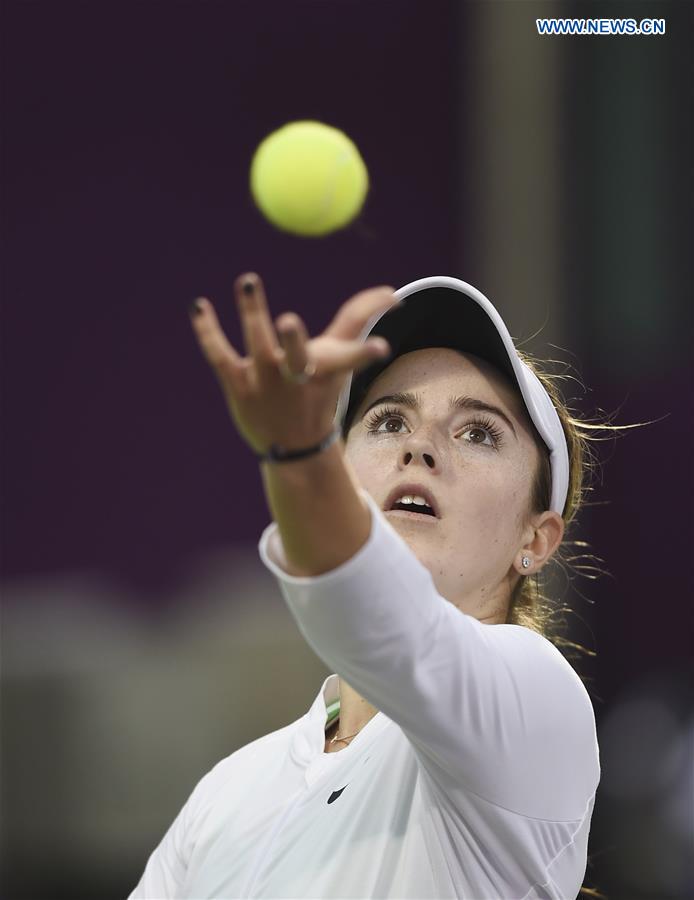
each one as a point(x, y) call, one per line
point(490, 505)
point(359, 448)
point(364, 463)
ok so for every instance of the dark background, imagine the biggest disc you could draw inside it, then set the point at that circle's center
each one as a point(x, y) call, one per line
point(142, 638)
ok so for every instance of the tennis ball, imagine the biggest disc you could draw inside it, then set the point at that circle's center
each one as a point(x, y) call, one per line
point(308, 178)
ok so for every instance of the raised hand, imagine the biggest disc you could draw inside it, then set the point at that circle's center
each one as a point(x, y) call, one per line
point(266, 404)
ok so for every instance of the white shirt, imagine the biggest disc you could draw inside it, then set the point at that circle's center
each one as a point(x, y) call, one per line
point(476, 778)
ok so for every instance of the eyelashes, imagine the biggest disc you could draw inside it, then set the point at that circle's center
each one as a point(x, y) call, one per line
point(388, 412)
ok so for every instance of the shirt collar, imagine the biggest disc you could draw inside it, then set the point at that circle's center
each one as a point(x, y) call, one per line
point(309, 738)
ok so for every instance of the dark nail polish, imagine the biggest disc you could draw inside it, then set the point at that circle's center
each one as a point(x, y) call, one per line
point(195, 308)
point(248, 287)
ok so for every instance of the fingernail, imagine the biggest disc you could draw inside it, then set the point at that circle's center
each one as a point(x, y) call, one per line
point(248, 287)
point(196, 307)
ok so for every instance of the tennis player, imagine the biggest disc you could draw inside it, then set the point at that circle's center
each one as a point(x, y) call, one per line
point(414, 491)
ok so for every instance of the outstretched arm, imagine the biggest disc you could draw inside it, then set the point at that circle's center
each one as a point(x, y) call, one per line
point(306, 496)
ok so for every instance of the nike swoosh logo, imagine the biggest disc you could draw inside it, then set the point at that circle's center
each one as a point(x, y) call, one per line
point(335, 794)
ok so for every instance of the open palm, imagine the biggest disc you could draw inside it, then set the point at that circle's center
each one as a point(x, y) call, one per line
point(266, 406)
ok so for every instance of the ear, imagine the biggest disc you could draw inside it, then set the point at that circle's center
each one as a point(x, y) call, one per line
point(545, 534)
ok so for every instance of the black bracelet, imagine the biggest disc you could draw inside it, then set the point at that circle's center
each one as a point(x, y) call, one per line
point(277, 454)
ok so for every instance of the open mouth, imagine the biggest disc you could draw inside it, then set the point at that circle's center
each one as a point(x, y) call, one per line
point(412, 500)
point(410, 511)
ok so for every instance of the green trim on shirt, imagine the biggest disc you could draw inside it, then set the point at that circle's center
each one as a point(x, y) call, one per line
point(333, 712)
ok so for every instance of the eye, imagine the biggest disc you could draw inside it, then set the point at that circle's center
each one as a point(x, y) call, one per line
point(376, 418)
point(488, 426)
point(388, 414)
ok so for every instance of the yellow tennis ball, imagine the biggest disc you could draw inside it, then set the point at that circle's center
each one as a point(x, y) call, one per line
point(308, 178)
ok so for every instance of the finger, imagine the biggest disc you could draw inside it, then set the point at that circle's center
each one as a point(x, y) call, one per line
point(219, 353)
point(353, 316)
point(294, 338)
point(259, 335)
point(347, 355)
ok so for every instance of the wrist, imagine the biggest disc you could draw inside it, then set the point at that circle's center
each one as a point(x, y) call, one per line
point(308, 500)
point(279, 453)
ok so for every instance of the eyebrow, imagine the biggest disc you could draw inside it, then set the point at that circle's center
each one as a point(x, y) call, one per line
point(413, 401)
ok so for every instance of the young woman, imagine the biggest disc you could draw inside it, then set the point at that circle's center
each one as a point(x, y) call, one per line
point(419, 473)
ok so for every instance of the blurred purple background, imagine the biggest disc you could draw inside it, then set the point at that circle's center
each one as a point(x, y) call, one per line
point(142, 638)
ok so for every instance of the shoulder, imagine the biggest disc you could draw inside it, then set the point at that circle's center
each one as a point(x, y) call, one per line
point(236, 769)
point(541, 664)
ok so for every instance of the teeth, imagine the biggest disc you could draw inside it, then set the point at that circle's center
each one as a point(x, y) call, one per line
point(413, 498)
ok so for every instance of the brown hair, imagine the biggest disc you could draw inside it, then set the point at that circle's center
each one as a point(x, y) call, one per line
point(530, 605)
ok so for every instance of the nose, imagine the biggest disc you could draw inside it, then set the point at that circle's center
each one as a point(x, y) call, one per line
point(419, 447)
point(427, 457)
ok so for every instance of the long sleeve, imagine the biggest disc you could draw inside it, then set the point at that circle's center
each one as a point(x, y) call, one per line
point(492, 709)
point(166, 869)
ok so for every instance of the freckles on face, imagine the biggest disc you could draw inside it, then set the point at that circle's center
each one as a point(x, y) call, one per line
point(481, 482)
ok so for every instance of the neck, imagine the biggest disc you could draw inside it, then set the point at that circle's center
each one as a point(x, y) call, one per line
point(355, 711)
